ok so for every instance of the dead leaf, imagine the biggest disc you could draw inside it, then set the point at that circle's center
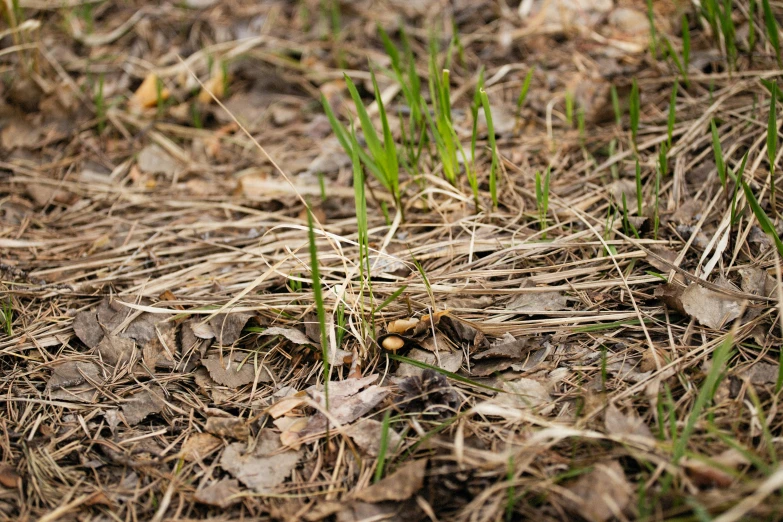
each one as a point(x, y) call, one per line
point(228, 327)
point(292, 334)
point(72, 381)
point(228, 427)
point(429, 393)
point(9, 478)
point(762, 373)
point(666, 254)
point(448, 360)
point(509, 349)
point(618, 423)
point(265, 467)
point(710, 308)
point(524, 394)
point(710, 474)
point(671, 295)
point(366, 434)
point(459, 330)
point(537, 302)
point(147, 94)
point(601, 494)
point(400, 485)
point(757, 282)
point(116, 351)
point(345, 410)
point(228, 372)
point(136, 408)
point(154, 160)
point(87, 329)
point(198, 446)
point(220, 494)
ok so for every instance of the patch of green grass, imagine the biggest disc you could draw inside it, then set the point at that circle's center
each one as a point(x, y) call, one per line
point(542, 198)
point(523, 93)
point(720, 162)
point(686, 43)
point(773, 29)
point(7, 317)
point(569, 108)
point(720, 358)
point(362, 227)
point(639, 192)
point(653, 32)
point(493, 188)
point(635, 111)
point(383, 447)
point(672, 117)
point(772, 142)
point(319, 303)
point(474, 109)
point(764, 222)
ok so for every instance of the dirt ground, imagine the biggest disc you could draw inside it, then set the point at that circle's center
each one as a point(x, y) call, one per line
point(569, 310)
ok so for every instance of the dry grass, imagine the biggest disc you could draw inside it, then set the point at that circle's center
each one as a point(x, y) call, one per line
point(200, 243)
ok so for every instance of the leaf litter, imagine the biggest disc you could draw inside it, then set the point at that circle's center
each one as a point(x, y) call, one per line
point(133, 208)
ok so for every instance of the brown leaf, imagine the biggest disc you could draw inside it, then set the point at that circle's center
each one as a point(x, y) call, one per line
point(228, 372)
point(448, 360)
point(265, 467)
point(136, 408)
point(601, 494)
point(400, 485)
point(198, 446)
point(220, 494)
point(154, 160)
point(9, 478)
point(87, 329)
point(72, 381)
point(292, 334)
point(618, 423)
point(459, 330)
point(147, 94)
point(710, 308)
point(430, 393)
point(228, 327)
point(346, 409)
point(710, 474)
point(366, 434)
point(671, 295)
point(762, 373)
point(116, 351)
point(757, 282)
point(229, 427)
point(665, 254)
point(515, 349)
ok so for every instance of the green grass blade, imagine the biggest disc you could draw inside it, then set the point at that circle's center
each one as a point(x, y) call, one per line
point(450, 375)
point(718, 152)
point(634, 109)
point(319, 303)
point(772, 139)
point(772, 30)
point(719, 359)
point(370, 136)
point(493, 189)
point(383, 447)
point(391, 162)
point(391, 298)
point(672, 115)
point(523, 93)
point(764, 221)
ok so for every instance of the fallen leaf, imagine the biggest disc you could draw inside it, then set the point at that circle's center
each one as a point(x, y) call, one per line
point(292, 334)
point(509, 349)
point(87, 329)
point(228, 327)
point(537, 302)
point(345, 410)
point(265, 467)
point(757, 282)
point(448, 360)
point(710, 308)
point(601, 494)
point(136, 408)
point(524, 394)
point(667, 255)
point(671, 295)
point(366, 434)
point(198, 446)
point(72, 381)
point(147, 94)
point(9, 478)
point(459, 330)
point(618, 423)
point(429, 393)
point(400, 485)
point(710, 474)
point(762, 373)
point(228, 372)
point(154, 160)
point(116, 351)
point(220, 494)
point(228, 427)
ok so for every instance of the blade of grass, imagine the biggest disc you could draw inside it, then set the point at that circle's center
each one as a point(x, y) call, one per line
point(319, 303)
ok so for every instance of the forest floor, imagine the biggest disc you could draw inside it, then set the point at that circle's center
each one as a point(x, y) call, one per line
point(569, 309)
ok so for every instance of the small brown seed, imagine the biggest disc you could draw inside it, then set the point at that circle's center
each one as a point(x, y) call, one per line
point(392, 343)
